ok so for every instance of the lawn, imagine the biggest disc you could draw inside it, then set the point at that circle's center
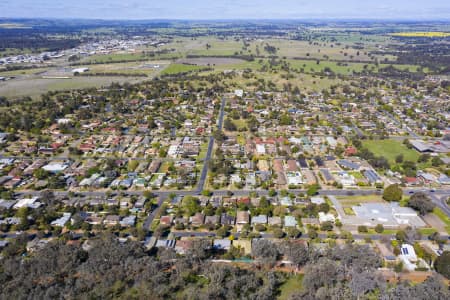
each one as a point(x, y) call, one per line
point(427, 231)
point(292, 285)
point(240, 124)
point(203, 151)
point(349, 211)
point(350, 201)
point(444, 218)
point(357, 175)
point(390, 149)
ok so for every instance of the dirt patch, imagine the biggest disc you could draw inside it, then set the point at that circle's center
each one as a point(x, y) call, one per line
point(435, 222)
point(210, 61)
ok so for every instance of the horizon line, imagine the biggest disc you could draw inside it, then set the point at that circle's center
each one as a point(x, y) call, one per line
point(235, 19)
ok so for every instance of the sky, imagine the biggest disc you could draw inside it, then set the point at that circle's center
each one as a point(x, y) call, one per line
point(227, 9)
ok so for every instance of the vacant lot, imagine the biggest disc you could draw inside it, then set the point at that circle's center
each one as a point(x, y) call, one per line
point(350, 201)
point(34, 87)
point(390, 149)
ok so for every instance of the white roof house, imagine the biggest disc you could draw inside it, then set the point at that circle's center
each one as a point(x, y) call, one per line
point(294, 178)
point(260, 149)
point(28, 202)
point(62, 221)
point(408, 257)
point(323, 217)
point(55, 167)
point(239, 93)
point(317, 200)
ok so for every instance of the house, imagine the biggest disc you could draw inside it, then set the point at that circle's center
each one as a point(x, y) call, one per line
point(239, 93)
point(323, 217)
point(408, 257)
point(261, 219)
point(28, 202)
point(111, 220)
point(197, 219)
point(372, 176)
point(128, 221)
point(346, 179)
point(444, 179)
point(427, 178)
point(349, 151)
point(226, 219)
point(7, 204)
point(294, 178)
point(348, 165)
point(327, 176)
point(242, 217)
point(290, 221)
point(166, 220)
point(62, 221)
point(274, 221)
point(317, 200)
point(212, 220)
point(165, 244)
point(183, 246)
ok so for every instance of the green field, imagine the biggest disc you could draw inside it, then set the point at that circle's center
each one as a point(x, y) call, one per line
point(292, 285)
point(180, 68)
point(390, 149)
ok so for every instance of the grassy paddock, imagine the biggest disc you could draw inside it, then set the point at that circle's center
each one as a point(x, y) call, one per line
point(390, 149)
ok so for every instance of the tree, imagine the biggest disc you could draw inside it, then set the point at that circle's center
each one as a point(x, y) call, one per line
point(379, 228)
point(265, 251)
point(436, 161)
point(324, 272)
point(222, 231)
point(296, 253)
point(326, 226)
point(278, 233)
point(293, 232)
point(363, 229)
point(442, 264)
point(312, 190)
point(191, 205)
point(393, 193)
point(421, 202)
point(312, 233)
point(399, 158)
point(229, 125)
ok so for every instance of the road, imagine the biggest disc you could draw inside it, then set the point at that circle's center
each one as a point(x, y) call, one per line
point(304, 235)
point(149, 220)
point(411, 132)
point(203, 175)
point(441, 202)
